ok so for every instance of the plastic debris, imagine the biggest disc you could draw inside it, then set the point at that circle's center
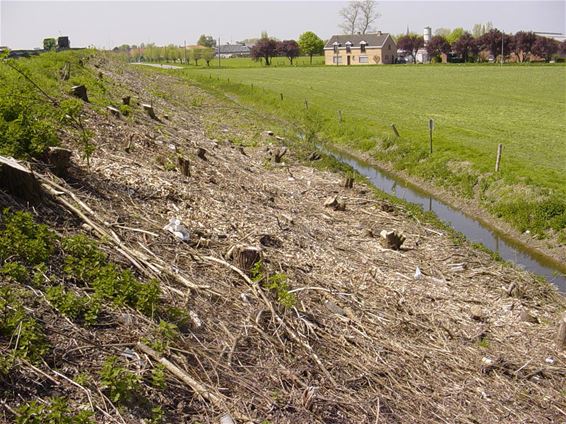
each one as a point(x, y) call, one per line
point(418, 274)
point(178, 229)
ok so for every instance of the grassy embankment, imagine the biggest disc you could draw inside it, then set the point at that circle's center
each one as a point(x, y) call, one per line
point(474, 108)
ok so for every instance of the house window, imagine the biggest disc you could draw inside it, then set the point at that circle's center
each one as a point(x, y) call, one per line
point(337, 57)
point(362, 47)
point(364, 59)
point(336, 47)
point(348, 47)
point(389, 47)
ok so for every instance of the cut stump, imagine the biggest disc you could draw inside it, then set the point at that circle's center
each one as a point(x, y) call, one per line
point(60, 160)
point(149, 110)
point(18, 180)
point(245, 257)
point(183, 165)
point(80, 92)
point(392, 239)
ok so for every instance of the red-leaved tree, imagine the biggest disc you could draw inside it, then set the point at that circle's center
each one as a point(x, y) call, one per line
point(466, 47)
point(522, 44)
point(545, 47)
point(265, 49)
point(411, 44)
point(289, 49)
point(437, 46)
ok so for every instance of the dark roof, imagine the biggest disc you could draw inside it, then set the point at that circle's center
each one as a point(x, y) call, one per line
point(233, 49)
point(372, 40)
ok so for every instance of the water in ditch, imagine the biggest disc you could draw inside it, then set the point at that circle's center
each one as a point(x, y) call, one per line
point(473, 229)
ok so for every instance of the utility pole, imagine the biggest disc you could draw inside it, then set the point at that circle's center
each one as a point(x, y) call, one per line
point(218, 52)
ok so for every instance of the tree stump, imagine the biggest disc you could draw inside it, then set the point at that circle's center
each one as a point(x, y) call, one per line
point(334, 203)
point(183, 165)
point(561, 335)
point(349, 182)
point(18, 180)
point(392, 239)
point(278, 154)
point(314, 156)
point(113, 111)
point(80, 92)
point(60, 160)
point(126, 100)
point(245, 257)
point(201, 153)
point(150, 111)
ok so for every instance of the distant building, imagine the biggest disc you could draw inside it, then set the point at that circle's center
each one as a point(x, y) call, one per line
point(63, 43)
point(360, 49)
point(232, 50)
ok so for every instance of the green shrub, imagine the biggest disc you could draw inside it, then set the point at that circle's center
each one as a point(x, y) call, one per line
point(77, 308)
point(121, 384)
point(56, 411)
point(15, 271)
point(16, 325)
point(23, 240)
point(86, 263)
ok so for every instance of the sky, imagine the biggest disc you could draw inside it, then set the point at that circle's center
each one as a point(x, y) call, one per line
point(106, 24)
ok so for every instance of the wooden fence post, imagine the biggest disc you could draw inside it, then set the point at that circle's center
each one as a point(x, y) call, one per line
point(430, 128)
point(394, 128)
point(281, 95)
point(498, 160)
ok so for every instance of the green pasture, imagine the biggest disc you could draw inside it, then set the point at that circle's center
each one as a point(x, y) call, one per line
point(474, 108)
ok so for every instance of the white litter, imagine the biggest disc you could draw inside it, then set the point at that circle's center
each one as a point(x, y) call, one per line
point(178, 229)
point(418, 274)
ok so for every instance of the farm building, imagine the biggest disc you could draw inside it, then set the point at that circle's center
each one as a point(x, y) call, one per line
point(360, 49)
point(232, 50)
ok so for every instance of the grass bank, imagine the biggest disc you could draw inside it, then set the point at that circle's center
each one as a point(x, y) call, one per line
point(474, 108)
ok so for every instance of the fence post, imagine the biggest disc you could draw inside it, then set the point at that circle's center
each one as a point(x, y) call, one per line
point(281, 95)
point(394, 128)
point(430, 128)
point(498, 160)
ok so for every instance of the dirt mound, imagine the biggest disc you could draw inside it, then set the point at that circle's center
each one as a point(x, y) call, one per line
point(295, 311)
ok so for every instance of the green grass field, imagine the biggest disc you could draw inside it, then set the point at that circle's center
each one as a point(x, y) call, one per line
point(475, 107)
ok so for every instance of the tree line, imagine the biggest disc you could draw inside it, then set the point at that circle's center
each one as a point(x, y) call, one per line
point(523, 46)
point(309, 44)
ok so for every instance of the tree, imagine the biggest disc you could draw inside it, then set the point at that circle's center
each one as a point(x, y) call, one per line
point(478, 30)
point(411, 44)
point(349, 16)
point(265, 48)
point(207, 55)
point(466, 47)
point(522, 44)
point(368, 15)
point(196, 54)
point(49, 44)
point(358, 16)
point(545, 47)
point(206, 41)
point(289, 49)
point(496, 42)
point(562, 48)
point(455, 35)
point(437, 46)
point(310, 44)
